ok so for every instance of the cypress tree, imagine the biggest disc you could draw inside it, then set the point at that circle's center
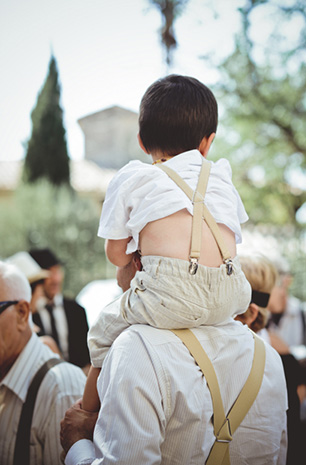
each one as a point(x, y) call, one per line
point(47, 155)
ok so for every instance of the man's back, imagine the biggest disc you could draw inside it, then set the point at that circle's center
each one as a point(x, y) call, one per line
point(156, 406)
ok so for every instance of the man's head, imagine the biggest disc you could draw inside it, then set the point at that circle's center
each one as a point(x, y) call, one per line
point(176, 114)
point(15, 331)
point(47, 260)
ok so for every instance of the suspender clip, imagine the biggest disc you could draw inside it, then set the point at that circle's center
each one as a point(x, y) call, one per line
point(193, 266)
point(224, 434)
point(229, 266)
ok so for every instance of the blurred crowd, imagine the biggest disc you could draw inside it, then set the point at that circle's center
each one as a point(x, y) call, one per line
point(39, 323)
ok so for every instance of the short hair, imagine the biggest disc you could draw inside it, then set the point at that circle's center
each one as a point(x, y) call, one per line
point(13, 283)
point(262, 276)
point(176, 113)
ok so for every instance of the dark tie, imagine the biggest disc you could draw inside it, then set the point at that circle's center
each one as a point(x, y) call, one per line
point(50, 308)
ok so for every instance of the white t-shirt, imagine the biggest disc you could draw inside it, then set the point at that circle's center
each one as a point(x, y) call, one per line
point(140, 193)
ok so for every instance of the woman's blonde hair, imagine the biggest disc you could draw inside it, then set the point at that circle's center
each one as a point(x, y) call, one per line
point(262, 276)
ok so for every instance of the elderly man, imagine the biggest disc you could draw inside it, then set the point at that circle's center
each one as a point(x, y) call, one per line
point(22, 354)
point(156, 406)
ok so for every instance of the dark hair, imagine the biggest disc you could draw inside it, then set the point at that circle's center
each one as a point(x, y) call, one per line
point(176, 113)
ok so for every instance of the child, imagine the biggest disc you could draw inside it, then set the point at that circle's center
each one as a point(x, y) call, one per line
point(191, 275)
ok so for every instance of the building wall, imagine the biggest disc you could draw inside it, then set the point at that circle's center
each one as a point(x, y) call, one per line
point(111, 137)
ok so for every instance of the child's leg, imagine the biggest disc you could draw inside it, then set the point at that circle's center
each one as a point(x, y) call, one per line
point(90, 399)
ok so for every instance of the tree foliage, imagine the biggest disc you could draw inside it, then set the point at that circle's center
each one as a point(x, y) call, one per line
point(47, 155)
point(264, 118)
point(43, 215)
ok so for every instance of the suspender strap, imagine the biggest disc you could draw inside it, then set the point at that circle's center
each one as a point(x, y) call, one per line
point(198, 203)
point(226, 425)
point(197, 198)
point(22, 452)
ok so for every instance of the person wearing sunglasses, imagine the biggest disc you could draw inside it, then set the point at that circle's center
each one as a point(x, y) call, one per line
point(22, 354)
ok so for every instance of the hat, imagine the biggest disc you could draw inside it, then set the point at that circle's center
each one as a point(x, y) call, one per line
point(45, 258)
point(28, 266)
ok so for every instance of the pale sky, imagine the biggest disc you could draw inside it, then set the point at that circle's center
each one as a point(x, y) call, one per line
point(108, 52)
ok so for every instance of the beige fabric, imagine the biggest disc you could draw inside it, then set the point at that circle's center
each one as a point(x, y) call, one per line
point(226, 425)
point(165, 295)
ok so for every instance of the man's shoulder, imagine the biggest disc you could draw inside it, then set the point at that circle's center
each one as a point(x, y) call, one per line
point(65, 378)
point(145, 333)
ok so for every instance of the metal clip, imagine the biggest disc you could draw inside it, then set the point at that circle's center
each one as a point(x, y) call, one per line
point(229, 266)
point(193, 266)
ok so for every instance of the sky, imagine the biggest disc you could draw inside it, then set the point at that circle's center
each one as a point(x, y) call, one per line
point(108, 52)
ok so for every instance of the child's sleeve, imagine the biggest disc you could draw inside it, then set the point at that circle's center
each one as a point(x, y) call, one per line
point(241, 212)
point(109, 325)
point(115, 208)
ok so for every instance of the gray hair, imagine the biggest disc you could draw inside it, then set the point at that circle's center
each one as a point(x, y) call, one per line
point(13, 283)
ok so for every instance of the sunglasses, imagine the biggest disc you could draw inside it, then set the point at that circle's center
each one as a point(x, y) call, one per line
point(6, 304)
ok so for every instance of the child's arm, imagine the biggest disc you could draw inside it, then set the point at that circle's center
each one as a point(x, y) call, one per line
point(90, 399)
point(116, 251)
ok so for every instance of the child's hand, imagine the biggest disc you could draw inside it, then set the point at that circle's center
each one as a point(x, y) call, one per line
point(125, 274)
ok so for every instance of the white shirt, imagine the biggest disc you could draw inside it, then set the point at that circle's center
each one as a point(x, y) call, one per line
point(61, 387)
point(156, 407)
point(140, 193)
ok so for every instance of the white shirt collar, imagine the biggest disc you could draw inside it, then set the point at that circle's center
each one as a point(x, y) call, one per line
point(18, 380)
point(19, 377)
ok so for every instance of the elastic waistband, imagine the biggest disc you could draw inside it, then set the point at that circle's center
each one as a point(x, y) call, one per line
point(154, 265)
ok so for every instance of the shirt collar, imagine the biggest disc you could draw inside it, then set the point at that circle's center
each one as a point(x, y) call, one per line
point(17, 379)
point(192, 157)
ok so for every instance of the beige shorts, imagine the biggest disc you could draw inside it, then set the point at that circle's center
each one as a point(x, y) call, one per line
point(165, 295)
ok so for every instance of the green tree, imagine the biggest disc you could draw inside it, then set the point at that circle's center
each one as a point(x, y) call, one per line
point(263, 115)
point(43, 215)
point(47, 155)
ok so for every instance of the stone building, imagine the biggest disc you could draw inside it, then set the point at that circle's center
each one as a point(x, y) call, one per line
point(110, 143)
point(111, 137)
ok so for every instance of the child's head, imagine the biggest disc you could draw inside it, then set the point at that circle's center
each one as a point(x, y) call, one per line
point(262, 276)
point(176, 113)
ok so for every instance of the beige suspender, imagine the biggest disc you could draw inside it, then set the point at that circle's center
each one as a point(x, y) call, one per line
point(226, 425)
point(200, 213)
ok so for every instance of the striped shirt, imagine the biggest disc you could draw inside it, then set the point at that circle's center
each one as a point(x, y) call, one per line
point(156, 407)
point(61, 387)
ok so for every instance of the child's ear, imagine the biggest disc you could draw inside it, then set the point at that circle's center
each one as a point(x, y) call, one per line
point(141, 144)
point(205, 144)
